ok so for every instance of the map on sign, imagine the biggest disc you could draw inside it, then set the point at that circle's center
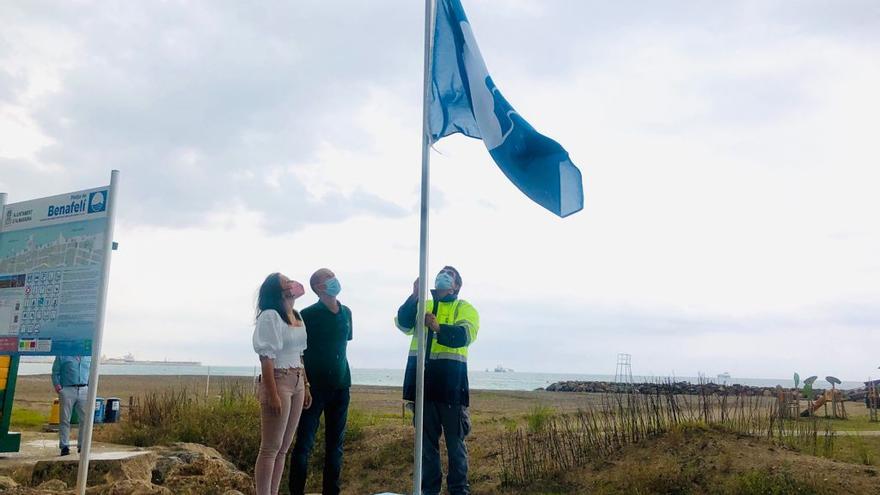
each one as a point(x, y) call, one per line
point(51, 255)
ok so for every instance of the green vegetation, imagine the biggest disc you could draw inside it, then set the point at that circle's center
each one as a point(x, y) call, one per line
point(230, 422)
point(858, 419)
point(854, 423)
point(856, 449)
point(539, 418)
point(863, 452)
point(541, 443)
point(554, 444)
point(26, 419)
point(766, 482)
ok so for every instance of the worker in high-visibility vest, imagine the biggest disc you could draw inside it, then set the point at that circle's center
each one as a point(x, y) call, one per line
point(451, 326)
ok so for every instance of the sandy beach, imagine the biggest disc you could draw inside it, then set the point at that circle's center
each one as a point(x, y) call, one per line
point(35, 392)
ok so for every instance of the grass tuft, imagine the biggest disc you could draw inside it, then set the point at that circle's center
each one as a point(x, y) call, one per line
point(539, 418)
point(765, 482)
point(27, 418)
point(229, 422)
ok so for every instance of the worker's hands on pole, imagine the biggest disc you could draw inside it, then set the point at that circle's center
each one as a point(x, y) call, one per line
point(431, 322)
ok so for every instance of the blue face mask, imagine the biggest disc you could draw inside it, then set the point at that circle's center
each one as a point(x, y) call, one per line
point(333, 287)
point(444, 281)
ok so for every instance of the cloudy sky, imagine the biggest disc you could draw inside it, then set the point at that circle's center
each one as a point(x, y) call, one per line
point(729, 153)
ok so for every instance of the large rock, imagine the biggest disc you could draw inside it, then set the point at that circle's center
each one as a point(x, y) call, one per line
point(676, 388)
point(6, 483)
point(53, 486)
point(177, 469)
point(130, 487)
point(103, 469)
point(197, 470)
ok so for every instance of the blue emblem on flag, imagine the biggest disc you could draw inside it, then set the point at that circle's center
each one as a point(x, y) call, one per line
point(465, 99)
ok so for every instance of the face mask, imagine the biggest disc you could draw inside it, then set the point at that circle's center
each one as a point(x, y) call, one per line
point(332, 287)
point(444, 281)
point(295, 290)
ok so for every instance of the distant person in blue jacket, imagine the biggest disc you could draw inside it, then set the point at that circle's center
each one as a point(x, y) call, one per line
point(70, 376)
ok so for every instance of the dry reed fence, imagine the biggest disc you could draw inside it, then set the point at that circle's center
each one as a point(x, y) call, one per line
point(567, 441)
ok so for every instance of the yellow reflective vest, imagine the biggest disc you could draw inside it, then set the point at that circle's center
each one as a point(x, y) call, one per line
point(446, 358)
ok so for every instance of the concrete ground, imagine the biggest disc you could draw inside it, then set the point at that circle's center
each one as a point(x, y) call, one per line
point(42, 446)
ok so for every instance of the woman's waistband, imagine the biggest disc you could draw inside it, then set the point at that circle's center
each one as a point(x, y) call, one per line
point(289, 371)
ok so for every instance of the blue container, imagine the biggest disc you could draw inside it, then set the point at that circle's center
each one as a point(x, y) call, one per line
point(99, 410)
point(112, 410)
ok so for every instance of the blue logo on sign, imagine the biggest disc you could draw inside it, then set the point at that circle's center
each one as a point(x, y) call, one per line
point(97, 201)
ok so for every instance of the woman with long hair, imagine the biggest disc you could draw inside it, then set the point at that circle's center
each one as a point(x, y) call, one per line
point(279, 340)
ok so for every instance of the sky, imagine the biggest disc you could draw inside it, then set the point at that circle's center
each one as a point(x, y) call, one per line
point(729, 153)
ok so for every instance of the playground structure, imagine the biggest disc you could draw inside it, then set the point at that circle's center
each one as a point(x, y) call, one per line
point(833, 397)
point(788, 402)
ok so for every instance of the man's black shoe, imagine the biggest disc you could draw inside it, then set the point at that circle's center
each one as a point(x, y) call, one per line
point(65, 451)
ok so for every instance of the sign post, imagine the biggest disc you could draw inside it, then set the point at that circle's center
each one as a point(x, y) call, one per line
point(9, 442)
point(54, 269)
point(85, 432)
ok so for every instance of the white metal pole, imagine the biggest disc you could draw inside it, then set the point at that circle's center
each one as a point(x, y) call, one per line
point(430, 12)
point(208, 382)
point(85, 432)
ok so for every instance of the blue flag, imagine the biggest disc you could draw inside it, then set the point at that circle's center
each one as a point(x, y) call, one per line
point(464, 99)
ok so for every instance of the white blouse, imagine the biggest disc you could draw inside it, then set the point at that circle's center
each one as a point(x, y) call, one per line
point(276, 340)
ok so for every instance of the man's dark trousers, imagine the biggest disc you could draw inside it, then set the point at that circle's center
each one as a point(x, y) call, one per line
point(334, 405)
point(455, 424)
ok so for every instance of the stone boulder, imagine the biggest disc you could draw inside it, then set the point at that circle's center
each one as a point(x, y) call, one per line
point(665, 387)
point(196, 469)
point(130, 487)
point(181, 468)
point(103, 469)
point(53, 486)
point(6, 483)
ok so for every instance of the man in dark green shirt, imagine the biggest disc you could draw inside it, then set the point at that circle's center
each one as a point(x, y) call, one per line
point(328, 327)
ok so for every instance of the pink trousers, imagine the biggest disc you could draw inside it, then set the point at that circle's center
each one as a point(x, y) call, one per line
point(276, 431)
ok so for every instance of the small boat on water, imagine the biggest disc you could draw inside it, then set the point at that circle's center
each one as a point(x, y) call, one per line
point(724, 376)
point(502, 369)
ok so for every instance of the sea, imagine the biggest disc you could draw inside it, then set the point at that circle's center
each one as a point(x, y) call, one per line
point(479, 379)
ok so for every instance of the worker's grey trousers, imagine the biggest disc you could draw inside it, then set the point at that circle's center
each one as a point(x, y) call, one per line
point(70, 397)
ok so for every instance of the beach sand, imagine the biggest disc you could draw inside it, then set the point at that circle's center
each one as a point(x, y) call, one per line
point(35, 392)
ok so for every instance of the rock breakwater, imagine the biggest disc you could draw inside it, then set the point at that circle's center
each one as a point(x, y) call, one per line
point(678, 388)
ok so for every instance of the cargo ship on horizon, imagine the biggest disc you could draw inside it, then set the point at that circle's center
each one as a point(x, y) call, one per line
point(129, 359)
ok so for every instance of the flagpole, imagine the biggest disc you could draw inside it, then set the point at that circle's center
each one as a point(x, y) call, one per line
point(87, 423)
point(430, 11)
